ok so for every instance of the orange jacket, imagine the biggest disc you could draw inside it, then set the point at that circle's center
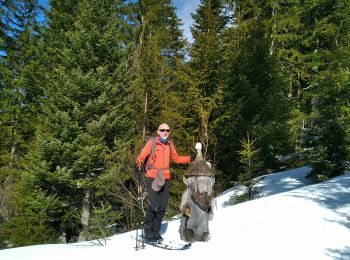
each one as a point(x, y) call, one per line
point(161, 158)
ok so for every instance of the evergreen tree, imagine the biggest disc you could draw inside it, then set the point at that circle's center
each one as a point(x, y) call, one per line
point(254, 86)
point(19, 92)
point(86, 120)
point(312, 44)
point(329, 61)
point(204, 76)
point(250, 169)
point(101, 224)
point(288, 36)
point(19, 97)
point(158, 46)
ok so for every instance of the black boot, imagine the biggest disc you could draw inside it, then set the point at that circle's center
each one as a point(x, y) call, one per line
point(149, 235)
point(156, 234)
point(158, 238)
point(149, 238)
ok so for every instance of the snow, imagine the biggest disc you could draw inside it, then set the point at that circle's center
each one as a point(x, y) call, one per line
point(293, 220)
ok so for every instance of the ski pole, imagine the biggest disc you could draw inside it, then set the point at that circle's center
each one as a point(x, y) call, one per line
point(140, 198)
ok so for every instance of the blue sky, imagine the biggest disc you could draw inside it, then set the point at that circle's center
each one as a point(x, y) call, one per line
point(184, 8)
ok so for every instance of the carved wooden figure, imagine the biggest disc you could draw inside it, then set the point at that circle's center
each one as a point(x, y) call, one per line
point(196, 200)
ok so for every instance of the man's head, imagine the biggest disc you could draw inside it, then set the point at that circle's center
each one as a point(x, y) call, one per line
point(163, 131)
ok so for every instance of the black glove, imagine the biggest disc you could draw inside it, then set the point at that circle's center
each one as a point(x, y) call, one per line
point(192, 156)
point(137, 174)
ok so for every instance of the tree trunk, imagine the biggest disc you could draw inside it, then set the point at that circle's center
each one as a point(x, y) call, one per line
point(144, 117)
point(205, 134)
point(85, 216)
point(13, 137)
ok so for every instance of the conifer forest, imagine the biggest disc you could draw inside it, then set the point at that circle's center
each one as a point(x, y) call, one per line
point(264, 86)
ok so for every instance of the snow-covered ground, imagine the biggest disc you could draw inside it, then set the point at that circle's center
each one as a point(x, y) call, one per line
point(291, 221)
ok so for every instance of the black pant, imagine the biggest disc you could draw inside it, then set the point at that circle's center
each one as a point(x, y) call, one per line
point(158, 202)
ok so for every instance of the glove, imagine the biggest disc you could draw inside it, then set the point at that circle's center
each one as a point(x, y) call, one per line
point(138, 165)
point(193, 157)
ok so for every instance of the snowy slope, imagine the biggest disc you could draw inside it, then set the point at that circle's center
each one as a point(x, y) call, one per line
point(302, 222)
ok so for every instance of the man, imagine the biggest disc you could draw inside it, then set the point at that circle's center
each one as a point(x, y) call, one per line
point(158, 175)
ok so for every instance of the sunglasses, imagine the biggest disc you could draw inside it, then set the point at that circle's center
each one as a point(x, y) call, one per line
point(164, 130)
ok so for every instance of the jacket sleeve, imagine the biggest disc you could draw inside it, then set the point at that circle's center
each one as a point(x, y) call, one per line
point(177, 158)
point(145, 151)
